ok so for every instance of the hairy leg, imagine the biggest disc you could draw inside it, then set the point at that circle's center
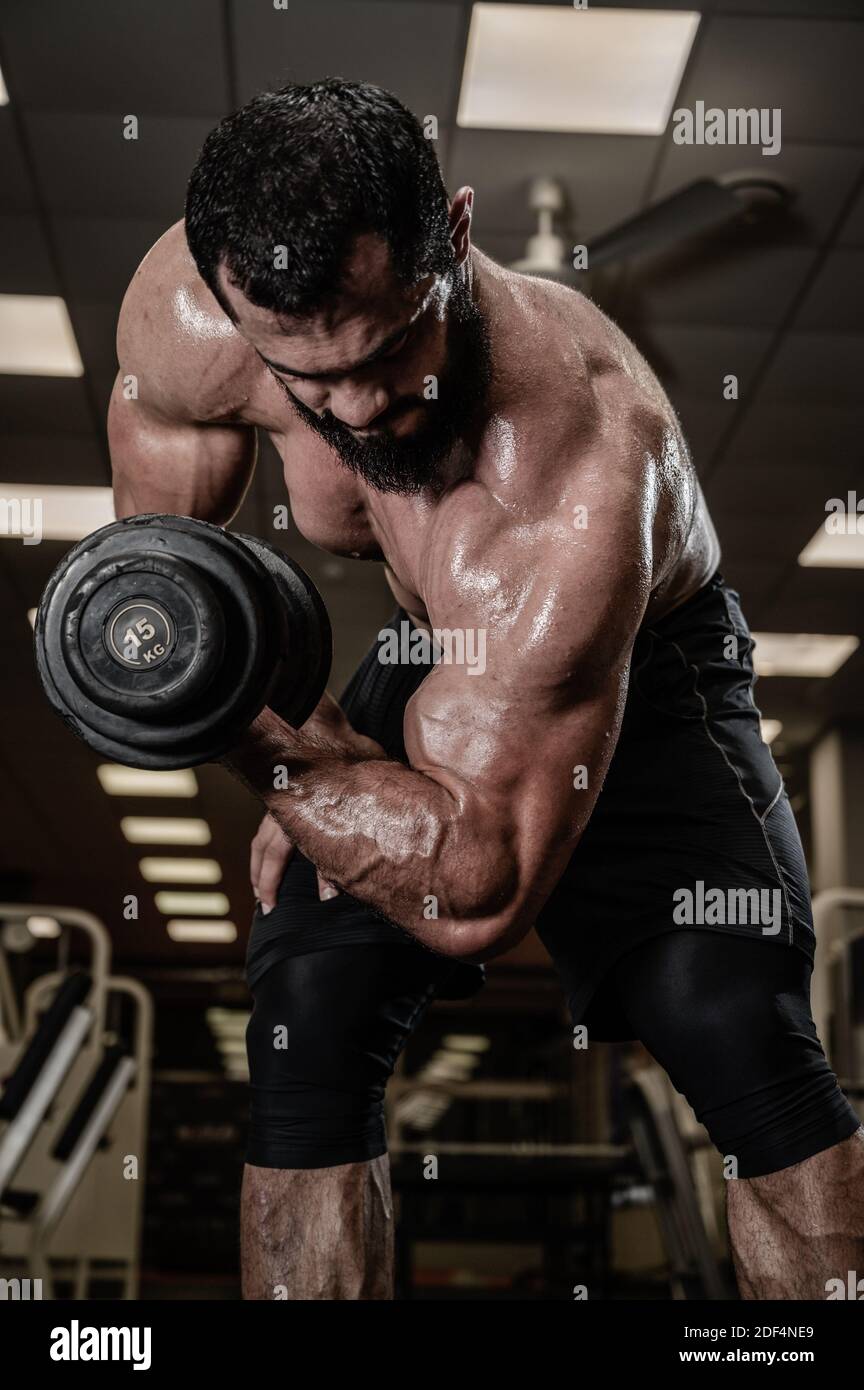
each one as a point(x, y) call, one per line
point(318, 1233)
point(794, 1230)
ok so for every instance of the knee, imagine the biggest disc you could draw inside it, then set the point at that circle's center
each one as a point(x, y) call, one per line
point(819, 1196)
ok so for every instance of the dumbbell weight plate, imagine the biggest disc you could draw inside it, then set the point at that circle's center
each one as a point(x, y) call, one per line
point(214, 629)
point(143, 626)
point(302, 676)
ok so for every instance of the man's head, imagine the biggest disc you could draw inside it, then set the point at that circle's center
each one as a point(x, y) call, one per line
point(318, 217)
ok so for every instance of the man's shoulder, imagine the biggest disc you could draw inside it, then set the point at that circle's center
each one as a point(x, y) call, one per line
point(175, 337)
point(565, 353)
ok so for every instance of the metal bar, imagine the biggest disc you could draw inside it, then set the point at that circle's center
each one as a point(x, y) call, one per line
point(19, 1134)
point(825, 904)
point(56, 1199)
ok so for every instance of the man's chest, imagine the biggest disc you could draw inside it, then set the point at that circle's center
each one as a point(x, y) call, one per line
point(334, 510)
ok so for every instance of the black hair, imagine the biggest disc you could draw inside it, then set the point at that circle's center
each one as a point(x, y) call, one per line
point(310, 168)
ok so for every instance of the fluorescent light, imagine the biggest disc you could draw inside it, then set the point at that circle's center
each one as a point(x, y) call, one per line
point(770, 729)
point(36, 337)
point(228, 1022)
point(450, 1066)
point(117, 780)
point(195, 904)
point(179, 930)
point(547, 67)
point(165, 830)
point(43, 511)
point(466, 1042)
point(180, 870)
point(843, 549)
point(43, 926)
point(801, 653)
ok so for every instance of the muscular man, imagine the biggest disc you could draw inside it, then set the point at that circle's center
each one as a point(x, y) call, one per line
point(512, 460)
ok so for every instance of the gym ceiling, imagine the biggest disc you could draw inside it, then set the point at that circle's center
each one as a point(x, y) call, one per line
point(781, 307)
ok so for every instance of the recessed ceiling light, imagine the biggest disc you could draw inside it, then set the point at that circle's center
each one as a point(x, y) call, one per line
point(801, 653)
point(843, 549)
point(195, 904)
point(156, 870)
point(36, 337)
point(43, 926)
point(179, 930)
point(227, 1046)
point(228, 1022)
point(466, 1042)
point(770, 729)
point(548, 67)
point(117, 780)
point(165, 830)
point(445, 1065)
point(43, 511)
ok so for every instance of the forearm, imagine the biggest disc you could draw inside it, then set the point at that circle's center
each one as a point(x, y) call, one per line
point(388, 834)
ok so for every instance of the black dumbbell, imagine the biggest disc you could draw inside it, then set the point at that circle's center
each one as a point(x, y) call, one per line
point(159, 639)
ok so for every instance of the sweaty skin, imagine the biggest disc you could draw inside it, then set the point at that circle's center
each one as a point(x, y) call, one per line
point(571, 515)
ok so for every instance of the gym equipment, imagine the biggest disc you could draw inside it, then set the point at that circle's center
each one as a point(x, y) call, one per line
point(665, 1155)
point(838, 983)
point(41, 1071)
point(160, 638)
point(73, 1116)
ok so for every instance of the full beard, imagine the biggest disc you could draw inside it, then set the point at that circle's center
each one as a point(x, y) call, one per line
point(413, 463)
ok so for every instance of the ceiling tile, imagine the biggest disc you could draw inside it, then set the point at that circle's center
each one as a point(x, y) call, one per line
point(836, 298)
point(852, 231)
point(816, 368)
point(126, 58)
point(695, 359)
point(99, 255)
point(413, 48)
point(18, 193)
point(86, 168)
point(811, 70)
point(785, 9)
point(730, 281)
point(776, 439)
point(692, 363)
point(25, 261)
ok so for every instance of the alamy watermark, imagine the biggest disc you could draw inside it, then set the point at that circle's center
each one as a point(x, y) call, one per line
point(21, 516)
point(737, 126)
point(20, 1290)
point(728, 907)
point(452, 646)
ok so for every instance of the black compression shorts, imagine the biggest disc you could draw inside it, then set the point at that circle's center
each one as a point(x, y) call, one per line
point(693, 811)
